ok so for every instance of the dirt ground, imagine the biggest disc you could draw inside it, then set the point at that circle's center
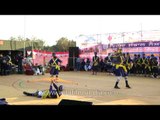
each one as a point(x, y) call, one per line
point(93, 88)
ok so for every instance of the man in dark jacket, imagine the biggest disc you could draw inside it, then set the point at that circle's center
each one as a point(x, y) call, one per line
point(19, 61)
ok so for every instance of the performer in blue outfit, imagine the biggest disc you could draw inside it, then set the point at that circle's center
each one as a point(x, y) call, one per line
point(53, 63)
point(119, 68)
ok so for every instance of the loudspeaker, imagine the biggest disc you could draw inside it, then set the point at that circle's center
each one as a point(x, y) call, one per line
point(71, 63)
point(74, 102)
point(73, 51)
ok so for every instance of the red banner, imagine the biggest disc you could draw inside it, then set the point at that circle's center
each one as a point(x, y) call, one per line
point(43, 57)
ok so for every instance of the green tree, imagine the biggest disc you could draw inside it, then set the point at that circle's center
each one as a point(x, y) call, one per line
point(63, 44)
point(37, 43)
point(12, 38)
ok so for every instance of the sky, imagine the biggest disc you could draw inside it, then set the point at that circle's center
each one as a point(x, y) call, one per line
point(50, 28)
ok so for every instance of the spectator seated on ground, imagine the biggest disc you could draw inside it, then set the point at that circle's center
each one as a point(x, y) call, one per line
point(14, 68)
point(28, 69)
point(87, 67)
point(38, 69)
point(51, 93)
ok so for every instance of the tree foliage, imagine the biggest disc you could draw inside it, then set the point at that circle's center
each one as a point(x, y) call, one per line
point(63, 44)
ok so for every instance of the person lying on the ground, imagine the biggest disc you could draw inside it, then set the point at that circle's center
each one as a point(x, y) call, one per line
point(51, 93)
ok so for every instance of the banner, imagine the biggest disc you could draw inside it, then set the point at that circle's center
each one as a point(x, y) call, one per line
point(137, 44)
point(132, 48)
point(43, 57)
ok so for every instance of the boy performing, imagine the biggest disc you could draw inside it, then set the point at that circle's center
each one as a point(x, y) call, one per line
point(120, 69)
point(54, 66)
point(51, 93)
